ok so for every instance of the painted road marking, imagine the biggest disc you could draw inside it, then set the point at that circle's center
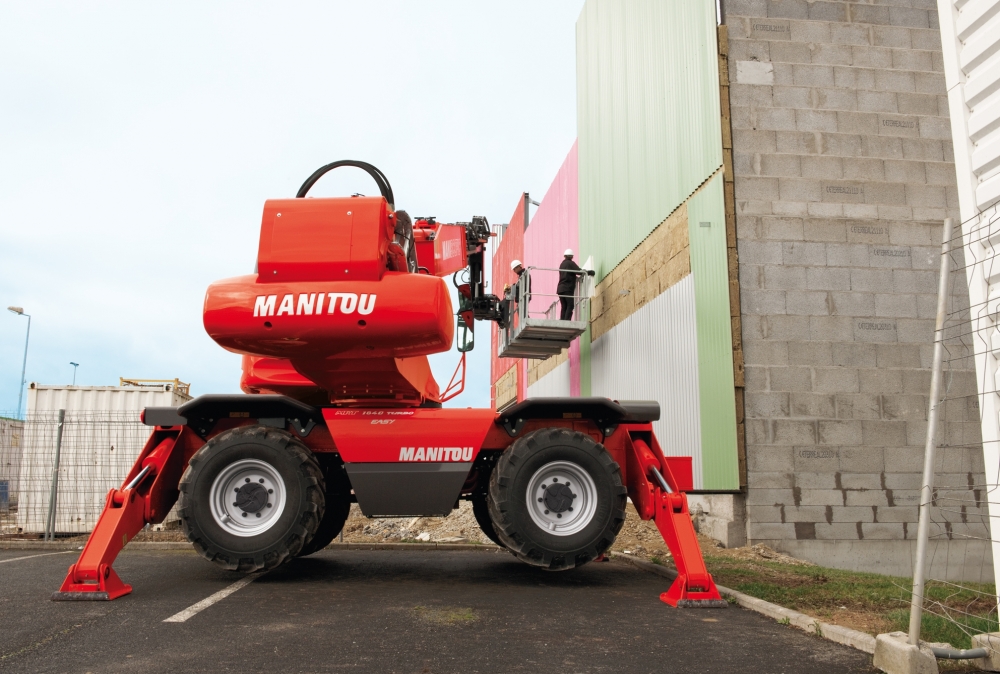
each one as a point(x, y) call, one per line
point(44, 554)
point(194, 609)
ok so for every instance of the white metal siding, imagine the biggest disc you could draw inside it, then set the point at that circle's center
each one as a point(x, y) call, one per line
point(970, 40)
point(555, 384)
point(653, 355)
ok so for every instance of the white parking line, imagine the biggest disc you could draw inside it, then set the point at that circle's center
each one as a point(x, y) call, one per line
point(213, 599)
point(44, 554)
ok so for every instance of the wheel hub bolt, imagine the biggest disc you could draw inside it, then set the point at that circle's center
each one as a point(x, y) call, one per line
point(244, 514)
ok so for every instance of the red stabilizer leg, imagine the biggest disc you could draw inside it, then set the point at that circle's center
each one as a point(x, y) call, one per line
point(693, 586)
point(152, 491)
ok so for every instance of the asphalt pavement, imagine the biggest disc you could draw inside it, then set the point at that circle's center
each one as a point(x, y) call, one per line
point(387, 611)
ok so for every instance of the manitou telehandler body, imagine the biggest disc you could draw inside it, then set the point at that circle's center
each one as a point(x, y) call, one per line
point(348, 299)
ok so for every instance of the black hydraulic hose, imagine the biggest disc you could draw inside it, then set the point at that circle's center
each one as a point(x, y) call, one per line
point(383, 183)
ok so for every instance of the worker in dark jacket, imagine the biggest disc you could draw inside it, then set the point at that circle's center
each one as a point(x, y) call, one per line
point(567, 285)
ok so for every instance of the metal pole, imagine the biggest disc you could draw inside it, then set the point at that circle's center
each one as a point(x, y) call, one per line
point(24, 365)
point(50, 525)
point(917, 599)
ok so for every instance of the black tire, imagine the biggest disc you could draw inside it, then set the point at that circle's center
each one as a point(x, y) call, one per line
point(293, 527)
point(481, 510)
point(338, 508)
point(531, 456)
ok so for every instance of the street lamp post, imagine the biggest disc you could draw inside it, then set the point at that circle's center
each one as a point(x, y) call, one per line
point(75, 365)
point(20, 389)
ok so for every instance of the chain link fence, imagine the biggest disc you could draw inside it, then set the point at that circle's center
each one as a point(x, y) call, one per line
point(96, 451)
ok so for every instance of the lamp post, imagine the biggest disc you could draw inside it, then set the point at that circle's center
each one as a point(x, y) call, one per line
point(75, 365)
point(20, 389)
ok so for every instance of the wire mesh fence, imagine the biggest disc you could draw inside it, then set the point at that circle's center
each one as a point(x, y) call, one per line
point(96, 451)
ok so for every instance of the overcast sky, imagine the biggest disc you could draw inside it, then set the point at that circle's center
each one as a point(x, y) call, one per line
point(138, 142)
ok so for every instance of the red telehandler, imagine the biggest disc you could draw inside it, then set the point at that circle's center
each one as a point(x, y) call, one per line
point(348, 299)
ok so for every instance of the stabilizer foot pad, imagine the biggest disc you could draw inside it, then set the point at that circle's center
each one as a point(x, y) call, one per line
point(702, 603)
point(80, 596)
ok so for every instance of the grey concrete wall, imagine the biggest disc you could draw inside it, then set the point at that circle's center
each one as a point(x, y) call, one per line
point(843, 172)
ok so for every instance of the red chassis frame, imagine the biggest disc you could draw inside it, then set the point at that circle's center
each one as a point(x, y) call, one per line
point(373, 435)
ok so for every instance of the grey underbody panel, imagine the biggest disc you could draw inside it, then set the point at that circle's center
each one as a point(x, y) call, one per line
point(407, 489)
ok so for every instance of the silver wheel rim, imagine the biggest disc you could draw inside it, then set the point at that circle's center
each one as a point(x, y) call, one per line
point(562, 498)
point(248, 497)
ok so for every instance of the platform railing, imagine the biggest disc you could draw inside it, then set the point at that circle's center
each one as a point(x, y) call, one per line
point(535, 328)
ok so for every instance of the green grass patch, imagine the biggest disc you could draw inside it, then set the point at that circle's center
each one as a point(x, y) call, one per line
point(865, 601)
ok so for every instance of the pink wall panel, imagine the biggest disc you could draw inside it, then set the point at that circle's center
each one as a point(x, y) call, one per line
point(511, 248)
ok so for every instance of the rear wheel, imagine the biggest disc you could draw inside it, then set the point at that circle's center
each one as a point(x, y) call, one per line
point(556, 499)
point(251, 498)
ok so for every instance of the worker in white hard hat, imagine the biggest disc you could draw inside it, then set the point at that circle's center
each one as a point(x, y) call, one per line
point(517, 268)
point(569, 275)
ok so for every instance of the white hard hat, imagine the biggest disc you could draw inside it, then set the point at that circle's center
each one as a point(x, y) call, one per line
point(515, 264)
point(568, 252)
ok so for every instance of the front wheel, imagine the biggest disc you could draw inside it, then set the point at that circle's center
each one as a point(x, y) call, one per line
point(251, 498)
point(557, 499)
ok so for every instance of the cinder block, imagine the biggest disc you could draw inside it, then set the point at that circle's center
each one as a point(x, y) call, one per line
point(749, 94)
point(901, 355)
point(814, 405)
point(853, 355)
point(784, 165)
point(836, 532)
point(768, 532)
point(871, 57)
point(787, 9)
point(925, 195)
point(835, 380)
point(770, 458)
point(894, 80)
point(834, 99)
point(827, 11)
point(916, 433)
point(791, 97)
point(866, 211)
point(769, 496)
point(816, 459)
point(860, 481)
point(929, 83)
point(789, 208)
point(909, 407)
point(891, 212)
point(765, 352)
point(790, 379)
point(831, 328)
point(816, 229)
point(751, 276)
point(762, 302)
point(809, 31)
point(890, 36)
point(864, 406)
point(760, 252)
point(867, 498)
point(917, 103)
point(753, 141)
point(790, 52)
point(765, 189)
point(882, 531)
point(885, 193)
point(853, 303)
point(937, 173)
point(783, 229)
point(763, 514)
point(784, 278)
point(807, 303)
point(874, 280)
point(748, 50)
point(829, 278)
point(908, 16)
point(877, 101)
point(913, 281)
point(815, 120)
point(861, 459)
point(885, 147)
point(880, 381)
point(822, 497)
point(775, 118)
point(926, 149)
point(910, 59)
point(900, 514)
point(809, 480)
point(805, 513)
point(826, 210)
point(854, 78)
point(767, 405)
point(915, 330)
point(849, 34)
point(896, 306)
point(812, 76)
point(902, 171)
point(839, 432)
point(809, 353)
point(832, 54)
point(878, 433)
point(853, 514)
point(846, 255)
point(822, 168)
point(864, 168)
point(870, 14)
point(926, 39)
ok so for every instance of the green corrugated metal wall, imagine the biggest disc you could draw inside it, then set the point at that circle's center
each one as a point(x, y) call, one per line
point(716, 385)
point(648, 117)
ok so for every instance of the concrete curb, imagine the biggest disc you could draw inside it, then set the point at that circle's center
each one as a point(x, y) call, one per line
point(836, 633)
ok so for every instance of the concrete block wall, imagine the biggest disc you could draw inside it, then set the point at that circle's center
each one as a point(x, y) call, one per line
point(843, 170)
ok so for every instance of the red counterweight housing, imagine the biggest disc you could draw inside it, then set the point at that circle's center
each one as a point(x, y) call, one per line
point(325, 305)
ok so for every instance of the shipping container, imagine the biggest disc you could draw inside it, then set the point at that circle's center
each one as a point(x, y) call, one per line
point(101, 437)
